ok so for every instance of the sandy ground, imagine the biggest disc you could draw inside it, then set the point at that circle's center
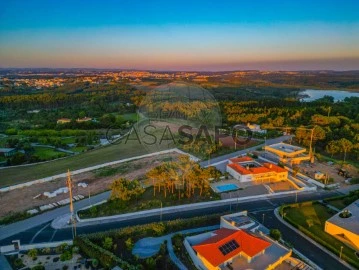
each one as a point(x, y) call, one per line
point(23, 199)
point(281, 186)
point(331, 170)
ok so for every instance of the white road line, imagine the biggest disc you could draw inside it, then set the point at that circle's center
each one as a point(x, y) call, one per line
point(43, 228)
point(53, 235)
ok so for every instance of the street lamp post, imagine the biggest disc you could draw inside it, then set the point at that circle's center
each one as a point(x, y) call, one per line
point(263, 218)
point(89, 195)
point(341, 251)
point(296, 196)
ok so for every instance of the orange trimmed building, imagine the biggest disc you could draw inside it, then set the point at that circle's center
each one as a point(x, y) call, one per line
point(227, 244)
point(239, 249)
point(245, 169)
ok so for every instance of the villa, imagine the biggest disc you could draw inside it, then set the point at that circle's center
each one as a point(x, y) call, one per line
point(344, 225)
point(63, 120)
point(238, 244)
point(246, 169)
point(85, 119)
point(287, 153)
point(256, 128)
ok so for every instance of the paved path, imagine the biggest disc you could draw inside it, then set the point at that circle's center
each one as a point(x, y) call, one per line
point(345, 265)
point(149, 246)
point(17, 227)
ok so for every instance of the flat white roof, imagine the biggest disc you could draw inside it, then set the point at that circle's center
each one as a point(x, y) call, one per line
point(288, 148)
point(350, 223)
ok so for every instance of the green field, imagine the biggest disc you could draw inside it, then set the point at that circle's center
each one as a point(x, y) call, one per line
point(12, 176)
point(45, 153)
point(310, 219)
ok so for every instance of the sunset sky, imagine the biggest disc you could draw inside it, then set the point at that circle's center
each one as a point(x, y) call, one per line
point(180, 35)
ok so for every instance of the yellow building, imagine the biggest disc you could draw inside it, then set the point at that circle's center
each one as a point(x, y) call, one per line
point(345, 225)
point(63, 120)
point(288, 153)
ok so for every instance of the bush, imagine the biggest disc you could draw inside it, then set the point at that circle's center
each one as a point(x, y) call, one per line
point(32, 253)
point(275, 234)
point(67, 255)
point(107, 243)
point(18, 262)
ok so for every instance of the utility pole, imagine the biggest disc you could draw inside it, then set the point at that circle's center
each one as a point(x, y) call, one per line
point(296, 196)
point(235, 142)
point(263, 219)
point(311, 142)
point(72, 217)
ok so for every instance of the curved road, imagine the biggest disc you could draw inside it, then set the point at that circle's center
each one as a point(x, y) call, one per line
point(44, 232)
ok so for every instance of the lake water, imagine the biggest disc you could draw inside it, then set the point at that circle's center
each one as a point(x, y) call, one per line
point(337, 94)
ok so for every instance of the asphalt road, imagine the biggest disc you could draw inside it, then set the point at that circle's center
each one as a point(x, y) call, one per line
point(15, 228)
point(222, 159)
point(44, 232)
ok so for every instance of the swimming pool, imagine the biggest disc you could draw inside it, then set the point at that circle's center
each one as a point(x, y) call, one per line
point(227, 187)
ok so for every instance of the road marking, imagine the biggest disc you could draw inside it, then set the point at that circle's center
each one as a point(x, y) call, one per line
point(271, 203)
point(36, 234)
point(53, 235)
point(262, 210)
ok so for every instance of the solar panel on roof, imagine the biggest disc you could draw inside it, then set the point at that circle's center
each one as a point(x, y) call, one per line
point(228, 247)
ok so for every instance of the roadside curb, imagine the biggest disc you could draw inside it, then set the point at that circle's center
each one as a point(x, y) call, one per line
point(167, 210)
point(276, 213)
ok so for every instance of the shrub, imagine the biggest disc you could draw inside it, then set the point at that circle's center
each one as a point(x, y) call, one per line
point(107, 243)
point(275, 234)
point(67, 255)
point(129, 243)
point(32, 253)
point(18, 262)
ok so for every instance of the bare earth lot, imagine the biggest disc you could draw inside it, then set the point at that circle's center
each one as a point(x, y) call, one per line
point(23, 199)
point(331, 170)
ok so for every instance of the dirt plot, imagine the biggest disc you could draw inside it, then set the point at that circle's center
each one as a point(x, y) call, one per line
point(98, 181)
point(331, 170)
point(229, 142)
point(281, 186)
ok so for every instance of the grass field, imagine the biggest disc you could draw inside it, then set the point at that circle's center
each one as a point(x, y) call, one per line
point(310, 219)
point(338, 203)
point(45, 153)
point(12, 176)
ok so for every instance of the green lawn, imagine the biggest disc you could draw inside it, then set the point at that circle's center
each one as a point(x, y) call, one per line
point(130, 116)
point(146, 201)
point(45, 153)
point(12, 176)
point(338, 203)
point(68, 140)
point(78, 149)
point(310, 219)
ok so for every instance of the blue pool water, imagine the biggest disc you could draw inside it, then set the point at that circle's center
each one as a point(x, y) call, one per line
point(227, 187)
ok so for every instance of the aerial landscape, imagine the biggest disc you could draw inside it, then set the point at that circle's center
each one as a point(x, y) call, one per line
point(179, 135)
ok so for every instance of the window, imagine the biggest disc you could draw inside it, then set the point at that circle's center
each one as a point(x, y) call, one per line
point(229, 247)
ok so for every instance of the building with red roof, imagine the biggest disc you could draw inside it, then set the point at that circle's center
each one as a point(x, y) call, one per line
point(246, 169)
point(238, 244)
point(225, 244)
